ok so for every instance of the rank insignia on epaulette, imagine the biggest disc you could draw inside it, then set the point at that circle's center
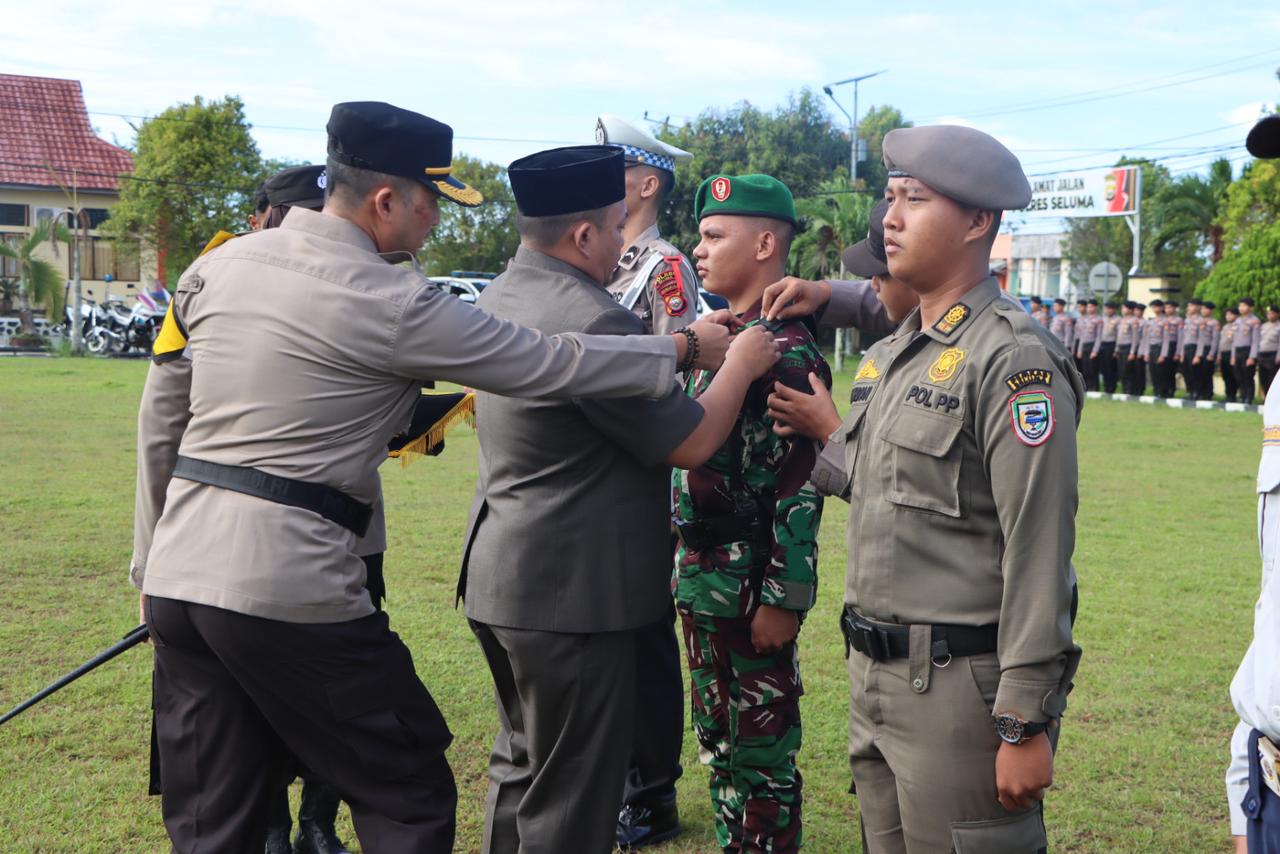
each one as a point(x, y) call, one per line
point(1031, 376)
point(868, 371)
point(944, 367)
point(951, 321)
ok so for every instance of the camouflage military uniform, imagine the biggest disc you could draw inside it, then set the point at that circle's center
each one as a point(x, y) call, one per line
point(745, 704)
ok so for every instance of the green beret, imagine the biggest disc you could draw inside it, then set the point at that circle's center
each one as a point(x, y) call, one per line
point(964, 164)
point(744, 195)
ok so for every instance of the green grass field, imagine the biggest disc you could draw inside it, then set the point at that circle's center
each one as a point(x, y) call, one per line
point(1166, 556)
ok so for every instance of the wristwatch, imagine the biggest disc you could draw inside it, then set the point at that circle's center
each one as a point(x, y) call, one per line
point(1015, 730)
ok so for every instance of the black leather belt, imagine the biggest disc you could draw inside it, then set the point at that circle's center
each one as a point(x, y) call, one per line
point(883, 641)
point(331, 503)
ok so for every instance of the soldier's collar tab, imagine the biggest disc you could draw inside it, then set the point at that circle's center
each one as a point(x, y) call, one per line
point(950, 327)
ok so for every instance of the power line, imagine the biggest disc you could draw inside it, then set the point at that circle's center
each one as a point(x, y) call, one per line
point(1118, 90)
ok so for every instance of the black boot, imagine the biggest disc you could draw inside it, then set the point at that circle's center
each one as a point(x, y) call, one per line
point(316, 815)
point(279, 824)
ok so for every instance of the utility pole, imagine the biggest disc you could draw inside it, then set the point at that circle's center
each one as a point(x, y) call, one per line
point(853, 171)
point(853, 119)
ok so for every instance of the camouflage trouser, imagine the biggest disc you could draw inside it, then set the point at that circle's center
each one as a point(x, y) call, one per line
point(746, 715)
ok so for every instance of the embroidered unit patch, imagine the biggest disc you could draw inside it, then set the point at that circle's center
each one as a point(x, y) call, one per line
point(1031, 414)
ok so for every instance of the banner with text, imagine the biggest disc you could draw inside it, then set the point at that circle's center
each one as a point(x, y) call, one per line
point(1098, 192)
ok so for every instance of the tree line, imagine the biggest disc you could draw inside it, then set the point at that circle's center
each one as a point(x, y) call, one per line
point(1216, 235)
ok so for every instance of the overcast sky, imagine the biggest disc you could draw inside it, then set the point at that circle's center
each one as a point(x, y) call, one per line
point(1065, 85)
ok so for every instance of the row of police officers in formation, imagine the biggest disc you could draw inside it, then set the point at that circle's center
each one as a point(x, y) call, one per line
point(294, 357)
point(1122, 348)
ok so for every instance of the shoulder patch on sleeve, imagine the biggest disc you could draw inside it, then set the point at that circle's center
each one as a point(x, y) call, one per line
point(1031, 415)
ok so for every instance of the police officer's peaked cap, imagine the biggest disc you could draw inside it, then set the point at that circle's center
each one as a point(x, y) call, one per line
point(299, 186)
point(964, 164)
point(1264, 139)
point(382, 138)
point(866, 258)
point(637, 145)
point(744, 195)
point(568, 180)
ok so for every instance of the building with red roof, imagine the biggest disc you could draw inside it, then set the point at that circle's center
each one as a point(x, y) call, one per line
point(50, 159)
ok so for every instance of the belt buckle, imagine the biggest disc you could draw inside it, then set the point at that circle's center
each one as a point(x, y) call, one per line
point(1268, 758)
point(875, 642)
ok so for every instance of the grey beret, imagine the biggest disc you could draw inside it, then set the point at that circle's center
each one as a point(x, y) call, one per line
point(962, 163)
point(1264, 139)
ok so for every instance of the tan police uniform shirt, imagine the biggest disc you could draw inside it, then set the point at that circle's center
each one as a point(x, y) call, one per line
point(669, 301)
point(308, 351)
point(961, 441)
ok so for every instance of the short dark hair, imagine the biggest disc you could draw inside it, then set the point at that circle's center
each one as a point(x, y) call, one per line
point(350, 184)
point(1246, 301)
point(547, 230)
point(1231, 309)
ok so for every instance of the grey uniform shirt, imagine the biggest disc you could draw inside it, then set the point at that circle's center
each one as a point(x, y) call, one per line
point(961, 444)
point(1269, 337)
point(308, 351)
point(1207, 338)
point(669, 300)
point(570, 526)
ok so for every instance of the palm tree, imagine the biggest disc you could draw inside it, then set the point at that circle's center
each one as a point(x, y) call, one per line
point(1189, 206)
point(39, 282)
point(835, 217)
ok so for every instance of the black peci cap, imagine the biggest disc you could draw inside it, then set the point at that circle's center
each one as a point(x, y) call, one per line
point(866, 258)
point(568, 180)
point(384, 138)
point(260, 202)
point(298, 186)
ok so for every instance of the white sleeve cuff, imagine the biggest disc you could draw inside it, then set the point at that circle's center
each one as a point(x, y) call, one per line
point(1238, 777)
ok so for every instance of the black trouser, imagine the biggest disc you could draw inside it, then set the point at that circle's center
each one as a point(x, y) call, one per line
point(314, 787)
point(1158, 370)
point(1107, 364)
point(236, 695)
point(1229, 385)
point(1244, 374)
point(1266, 371)
point(1190, 377)
point(1204, 378)
point(1130, 371)
point(1088, 367)
point(659, 722)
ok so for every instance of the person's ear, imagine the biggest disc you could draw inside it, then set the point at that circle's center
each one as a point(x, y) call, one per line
point(583, 235)
point(766, 245)
point(383, 201)
point(649, 186)
point(980, 223)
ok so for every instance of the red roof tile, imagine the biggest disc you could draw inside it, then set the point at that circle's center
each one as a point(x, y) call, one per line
point(44, 125)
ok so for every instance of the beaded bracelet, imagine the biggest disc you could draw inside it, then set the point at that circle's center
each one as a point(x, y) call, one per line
point(691, 350)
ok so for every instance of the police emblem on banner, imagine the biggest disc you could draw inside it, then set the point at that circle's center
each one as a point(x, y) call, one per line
point(1031, 414)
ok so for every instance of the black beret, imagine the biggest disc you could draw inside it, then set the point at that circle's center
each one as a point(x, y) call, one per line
point(962, 163)
point(568, 180)
point(1264, 138)
point(298, 186)
point(382, 138)
point(866, 258)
